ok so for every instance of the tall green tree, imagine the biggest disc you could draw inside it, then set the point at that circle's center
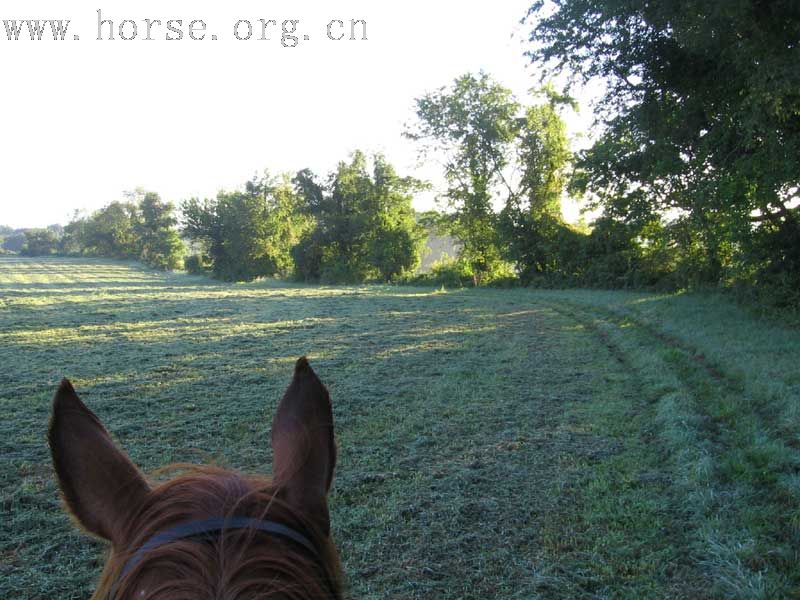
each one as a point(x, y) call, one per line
point(285, 224)
point(470, 127)
point(250, 233)
point(14, 241)
point(112, 231)
point(140, 228)
point(365, 227)
point(160, 243)
point(498, 153)
point(73, 242)
point(701, 121)
point(40, 242)
point(230, 227)
point(537, 239)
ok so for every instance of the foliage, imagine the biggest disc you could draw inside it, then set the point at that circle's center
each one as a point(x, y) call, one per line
point(39, 242)
point(248, 234)
point(195, 265)
point(701, 120)
point(112, 231)
point(140, 228)
point(231, 227)
point(544, 155)
point(450, 272)
point(161, 246)
point(14, 241)
point(31, 242)
point(537, 239)
point(611, 256)
point(446, 272)
point(775, 249)
point(74, 240)
point(364, 226)
point(542, 246)
point(484, 136)
point(470, 127)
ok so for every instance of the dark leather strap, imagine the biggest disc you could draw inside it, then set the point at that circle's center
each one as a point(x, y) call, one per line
point(211, 526)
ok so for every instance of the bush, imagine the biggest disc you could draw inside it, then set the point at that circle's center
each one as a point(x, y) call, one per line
point(447, 272)
point(450, 272)
point(340, 270)
point(195, 265)
point(14, 242)
point(775, 250)
point(39, 242)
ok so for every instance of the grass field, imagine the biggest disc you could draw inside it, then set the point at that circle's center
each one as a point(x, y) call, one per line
point(493, 443)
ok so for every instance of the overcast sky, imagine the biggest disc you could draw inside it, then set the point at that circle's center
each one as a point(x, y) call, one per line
point(84, 120)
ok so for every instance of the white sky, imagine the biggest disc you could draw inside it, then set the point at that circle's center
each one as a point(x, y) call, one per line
point(82, 121)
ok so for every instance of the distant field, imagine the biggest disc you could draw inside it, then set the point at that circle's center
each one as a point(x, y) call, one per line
point(493, 443)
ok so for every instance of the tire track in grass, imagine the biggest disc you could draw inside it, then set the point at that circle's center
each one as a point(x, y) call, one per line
point(721, 444)
point(492, 446)
point(627, 532)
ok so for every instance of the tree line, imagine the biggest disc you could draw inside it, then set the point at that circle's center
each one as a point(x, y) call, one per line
point(356, 225)
point(694, 172)
point(140, 228)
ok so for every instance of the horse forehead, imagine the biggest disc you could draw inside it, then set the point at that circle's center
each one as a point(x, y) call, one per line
point(211, 488)
point(196, 497)
point(192, 563)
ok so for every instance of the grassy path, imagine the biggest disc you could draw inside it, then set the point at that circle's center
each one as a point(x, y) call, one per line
point(508, 444)
point(726, 405)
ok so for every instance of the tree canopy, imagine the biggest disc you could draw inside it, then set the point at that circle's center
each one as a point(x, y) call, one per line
point(497, 155)
point(700, 122)
point(248, 234)
point(142, 227)
point(357, 226)
point(364, 225)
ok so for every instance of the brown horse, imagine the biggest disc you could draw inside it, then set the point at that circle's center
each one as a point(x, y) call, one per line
point(209, 533)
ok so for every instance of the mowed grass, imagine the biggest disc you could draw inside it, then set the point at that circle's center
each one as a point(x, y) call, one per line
point(493, 443)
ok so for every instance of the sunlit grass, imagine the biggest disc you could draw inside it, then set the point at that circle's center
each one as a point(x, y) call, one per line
point(726, 391)
point(493, 443)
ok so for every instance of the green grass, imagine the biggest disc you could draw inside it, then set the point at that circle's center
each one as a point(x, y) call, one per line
point(493, 443)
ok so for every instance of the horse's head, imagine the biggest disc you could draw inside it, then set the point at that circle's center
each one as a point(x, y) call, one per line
point(209, 533)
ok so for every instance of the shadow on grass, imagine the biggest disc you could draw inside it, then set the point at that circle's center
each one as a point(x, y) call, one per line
point(457, 445)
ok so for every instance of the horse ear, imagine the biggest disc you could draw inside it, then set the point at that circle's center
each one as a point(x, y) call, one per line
point(100, 485)
point(303, 445)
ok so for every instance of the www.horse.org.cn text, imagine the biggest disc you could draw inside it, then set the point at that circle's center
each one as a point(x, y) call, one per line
point(288, 32)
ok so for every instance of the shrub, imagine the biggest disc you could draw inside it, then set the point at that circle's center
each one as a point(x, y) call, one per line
point(195, 265)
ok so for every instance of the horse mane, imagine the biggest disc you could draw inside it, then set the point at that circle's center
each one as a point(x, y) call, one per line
point(239, 564)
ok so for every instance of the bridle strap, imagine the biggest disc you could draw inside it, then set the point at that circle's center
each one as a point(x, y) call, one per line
point(209, 526)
